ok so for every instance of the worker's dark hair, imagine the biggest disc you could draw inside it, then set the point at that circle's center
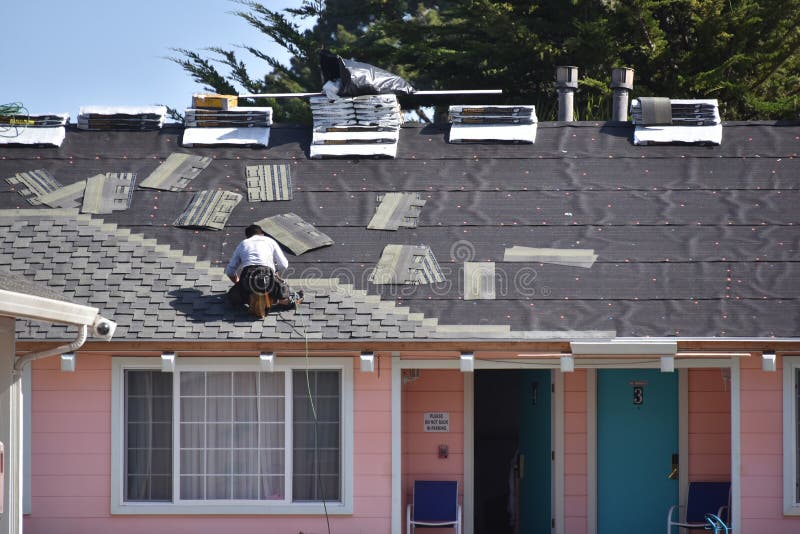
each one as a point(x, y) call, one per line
point(252, 230)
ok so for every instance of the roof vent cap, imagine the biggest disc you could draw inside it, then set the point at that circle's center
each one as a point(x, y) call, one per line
point(567, 77)
point(622, 78)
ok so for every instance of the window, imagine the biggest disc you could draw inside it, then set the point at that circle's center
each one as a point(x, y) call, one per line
point(791, 435)
point(222, 436)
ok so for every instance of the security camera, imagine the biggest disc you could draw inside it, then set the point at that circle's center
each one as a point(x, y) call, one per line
point(103, 328)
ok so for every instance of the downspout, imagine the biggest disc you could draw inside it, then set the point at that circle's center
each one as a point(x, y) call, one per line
point(61, 349)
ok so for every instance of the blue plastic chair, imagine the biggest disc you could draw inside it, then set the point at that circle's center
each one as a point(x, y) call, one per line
point(704, 498)
point(434, 505)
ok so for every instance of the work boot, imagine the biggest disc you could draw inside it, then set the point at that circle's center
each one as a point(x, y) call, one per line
point(296, 298)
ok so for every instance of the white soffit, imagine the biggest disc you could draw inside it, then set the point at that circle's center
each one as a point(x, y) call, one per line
point(15, 304)
point(617, 348)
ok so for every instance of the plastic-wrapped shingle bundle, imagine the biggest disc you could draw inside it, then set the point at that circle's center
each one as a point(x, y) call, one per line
point(492, 123)
point(21, 129)
point(662, 120)
point(122, 117)
point(231, 126)
point(367, 125)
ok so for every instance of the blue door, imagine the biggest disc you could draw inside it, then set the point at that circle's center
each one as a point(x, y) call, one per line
point(535, 450)
point(637, 442)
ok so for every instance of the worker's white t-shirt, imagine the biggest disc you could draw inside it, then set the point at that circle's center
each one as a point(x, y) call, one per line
point(257, 250)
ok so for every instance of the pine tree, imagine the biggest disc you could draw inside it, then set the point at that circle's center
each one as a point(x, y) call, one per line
point(746, 53)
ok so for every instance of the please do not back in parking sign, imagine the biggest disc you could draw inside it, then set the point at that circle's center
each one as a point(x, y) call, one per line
point(436, 421)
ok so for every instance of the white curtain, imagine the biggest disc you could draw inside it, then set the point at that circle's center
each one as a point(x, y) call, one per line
point(316, 451)
point(148, 436)
point(232, 435)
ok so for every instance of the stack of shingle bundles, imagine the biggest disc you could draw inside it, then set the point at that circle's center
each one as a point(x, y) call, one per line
point(661, 120)
point(122, 117)
point(232, 126)
point(492, 123)
point(367, 125)
point(46, 129)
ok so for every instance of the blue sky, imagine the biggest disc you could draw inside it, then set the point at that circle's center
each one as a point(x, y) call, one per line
point(60, 55)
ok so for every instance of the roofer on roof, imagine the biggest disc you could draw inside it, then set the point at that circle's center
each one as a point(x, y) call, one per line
point(255, 271)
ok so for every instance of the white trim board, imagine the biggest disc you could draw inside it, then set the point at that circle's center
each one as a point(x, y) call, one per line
point(468, 508)
point(790, 442)
point(397, 441)
point(557, 442)
point(27, 373)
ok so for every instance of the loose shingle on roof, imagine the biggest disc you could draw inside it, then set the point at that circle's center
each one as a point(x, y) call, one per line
point(691, 241)
point(155, 292)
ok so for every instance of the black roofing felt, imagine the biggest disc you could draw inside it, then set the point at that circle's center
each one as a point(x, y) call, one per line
point(692, 241)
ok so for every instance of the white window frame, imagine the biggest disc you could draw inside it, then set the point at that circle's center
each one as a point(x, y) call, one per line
point(344, 506)
point(791, 506)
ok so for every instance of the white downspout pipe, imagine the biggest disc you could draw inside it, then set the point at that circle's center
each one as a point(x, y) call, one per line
point(22, 361)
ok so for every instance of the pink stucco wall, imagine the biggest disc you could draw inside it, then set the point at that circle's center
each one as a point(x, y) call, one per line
point(70, 450)
point(762, 451)
point(71, 456)
point(709, 425)
point(434, 391)
point(575, 447)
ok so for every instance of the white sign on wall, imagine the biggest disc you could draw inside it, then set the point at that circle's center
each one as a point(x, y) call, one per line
point(437, 421)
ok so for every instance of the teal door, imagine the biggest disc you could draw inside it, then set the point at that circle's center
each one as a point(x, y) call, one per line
point(637, 436)
point(534, 506)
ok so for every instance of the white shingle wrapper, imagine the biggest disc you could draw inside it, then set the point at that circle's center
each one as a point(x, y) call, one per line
point(375, 149)
point(711, 134)
point(34, 136)
point(225, 136)
point(466, 133)
point(478, 123)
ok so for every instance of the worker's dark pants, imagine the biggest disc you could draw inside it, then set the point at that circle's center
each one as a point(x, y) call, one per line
point(261, 280)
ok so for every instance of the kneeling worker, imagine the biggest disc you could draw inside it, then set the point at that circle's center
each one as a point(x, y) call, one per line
point(255, 271)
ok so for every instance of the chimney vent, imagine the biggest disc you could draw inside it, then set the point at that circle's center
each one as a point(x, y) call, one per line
point(621, 83)
point(566, 83)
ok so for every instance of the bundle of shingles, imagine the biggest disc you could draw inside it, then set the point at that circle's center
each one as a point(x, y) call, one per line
point(22, 129)
point(367, 125)
point(231, 126)
point(122, 117)
point(661, 120)
point(492, 123)
point(99, 194)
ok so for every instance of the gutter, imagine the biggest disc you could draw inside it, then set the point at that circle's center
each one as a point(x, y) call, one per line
point(79, 340)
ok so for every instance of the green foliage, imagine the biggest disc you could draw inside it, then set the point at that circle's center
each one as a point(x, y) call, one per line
point(746, 53)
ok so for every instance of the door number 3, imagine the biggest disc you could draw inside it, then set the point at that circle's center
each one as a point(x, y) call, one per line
point(638, 395)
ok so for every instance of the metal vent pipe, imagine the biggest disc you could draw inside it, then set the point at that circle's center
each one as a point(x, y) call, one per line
point(622, 84)
point(566, 84)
